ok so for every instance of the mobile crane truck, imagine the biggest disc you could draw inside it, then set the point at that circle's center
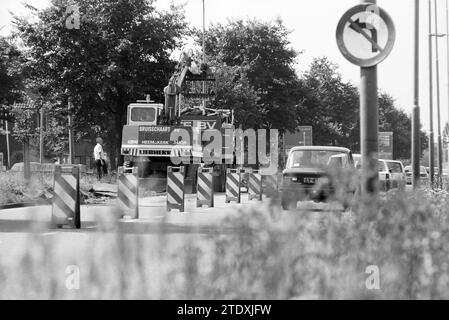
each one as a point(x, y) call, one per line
point(146, 139)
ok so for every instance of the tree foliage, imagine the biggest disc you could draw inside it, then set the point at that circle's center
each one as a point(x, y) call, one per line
point(331, 106)
point(262, 54)
point(120, 52)
point(393, 119)
point(10, 75)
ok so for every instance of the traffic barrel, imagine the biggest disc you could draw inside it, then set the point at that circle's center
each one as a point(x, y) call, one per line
point(254, 185)
point(205, 187)
point(66, 199)
point(233, 180)
point(175, 188)
point(128, 192)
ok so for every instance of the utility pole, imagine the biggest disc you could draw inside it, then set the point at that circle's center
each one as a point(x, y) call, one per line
point(41, 135)
point(8, 150)
point(437, 66)
point(447, 49)
point(204, 54)
point(26, 159)
point(431, 134)
point(71, 142)
point(416, 145)
point(369, 121)
point(204, 32)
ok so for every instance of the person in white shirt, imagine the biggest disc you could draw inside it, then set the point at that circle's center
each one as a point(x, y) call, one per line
point(99, 157)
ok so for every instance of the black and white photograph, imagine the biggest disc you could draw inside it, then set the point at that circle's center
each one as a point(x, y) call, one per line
point(224, 156)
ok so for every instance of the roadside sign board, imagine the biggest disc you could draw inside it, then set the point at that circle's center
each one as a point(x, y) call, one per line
point(302, 137)
point(366, 35)
point(386, 145)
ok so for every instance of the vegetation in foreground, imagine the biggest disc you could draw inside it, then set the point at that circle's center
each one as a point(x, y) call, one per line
point(270, 254)
point(14, 188)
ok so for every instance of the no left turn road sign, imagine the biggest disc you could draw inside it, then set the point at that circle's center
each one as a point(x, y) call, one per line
point(366, 35)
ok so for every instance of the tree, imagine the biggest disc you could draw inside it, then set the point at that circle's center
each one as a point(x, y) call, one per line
point(332, 107)
point(235, 92)
point(392, 119)
point(10, 75)
point(329, 105)
point(120, 52)
point(263, 55)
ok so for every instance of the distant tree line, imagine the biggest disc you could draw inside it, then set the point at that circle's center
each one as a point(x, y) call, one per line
point(123, 50)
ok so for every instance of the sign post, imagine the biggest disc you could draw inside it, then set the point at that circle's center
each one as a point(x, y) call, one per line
point(365, 37)
point(386, 145)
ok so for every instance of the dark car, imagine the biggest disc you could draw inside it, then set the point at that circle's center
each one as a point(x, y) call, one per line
point(307, 173)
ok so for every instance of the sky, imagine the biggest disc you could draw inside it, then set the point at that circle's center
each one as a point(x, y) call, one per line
point(313, 25)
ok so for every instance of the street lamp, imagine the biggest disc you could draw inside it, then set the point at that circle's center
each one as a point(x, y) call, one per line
point(437, 66)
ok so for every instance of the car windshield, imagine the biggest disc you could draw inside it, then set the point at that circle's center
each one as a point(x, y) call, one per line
point(395, 167)
point(143, 114)
point(317, 159)
point(382, 166)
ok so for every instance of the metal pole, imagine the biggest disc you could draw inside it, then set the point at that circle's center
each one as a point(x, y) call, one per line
point(447, 49)
point(71, 142)
point(437, 66)
point(8, 151)
point(41, 136)
point(431, 135)
point(204, 54)
point(204, 32)
point(26, 159)
point(369, 121)
point(416, 152)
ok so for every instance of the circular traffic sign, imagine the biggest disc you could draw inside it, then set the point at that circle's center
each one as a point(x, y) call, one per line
point(366, 35)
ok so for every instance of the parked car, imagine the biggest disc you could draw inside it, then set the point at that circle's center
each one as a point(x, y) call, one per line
point(408, 174)
point(397, 174)
point(383, 171)
point(357, 161)
point(424, 176)
point(307, 174)
point(384, 175)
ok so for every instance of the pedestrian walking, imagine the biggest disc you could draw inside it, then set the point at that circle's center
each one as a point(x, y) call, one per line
point(99, 157)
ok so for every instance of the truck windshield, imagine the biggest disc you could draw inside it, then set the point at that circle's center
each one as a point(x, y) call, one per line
point(143, 114)
point(317, 159)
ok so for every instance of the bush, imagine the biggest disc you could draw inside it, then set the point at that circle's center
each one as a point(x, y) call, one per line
point(14, 189)
point(258, 253)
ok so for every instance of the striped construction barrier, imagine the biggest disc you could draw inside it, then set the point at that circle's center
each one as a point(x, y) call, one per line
point(233, 180)
point(66, 199)
point(175, 188)
point(205, 187)
point(128, 192)
point(271, 185)
point(254, 185)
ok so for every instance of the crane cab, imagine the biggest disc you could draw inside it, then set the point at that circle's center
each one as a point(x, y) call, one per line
point(144, 114)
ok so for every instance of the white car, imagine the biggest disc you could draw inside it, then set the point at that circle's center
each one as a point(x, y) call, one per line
point(384, 172)
point(423, 175)
point(398, 177)
point(384, 176)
